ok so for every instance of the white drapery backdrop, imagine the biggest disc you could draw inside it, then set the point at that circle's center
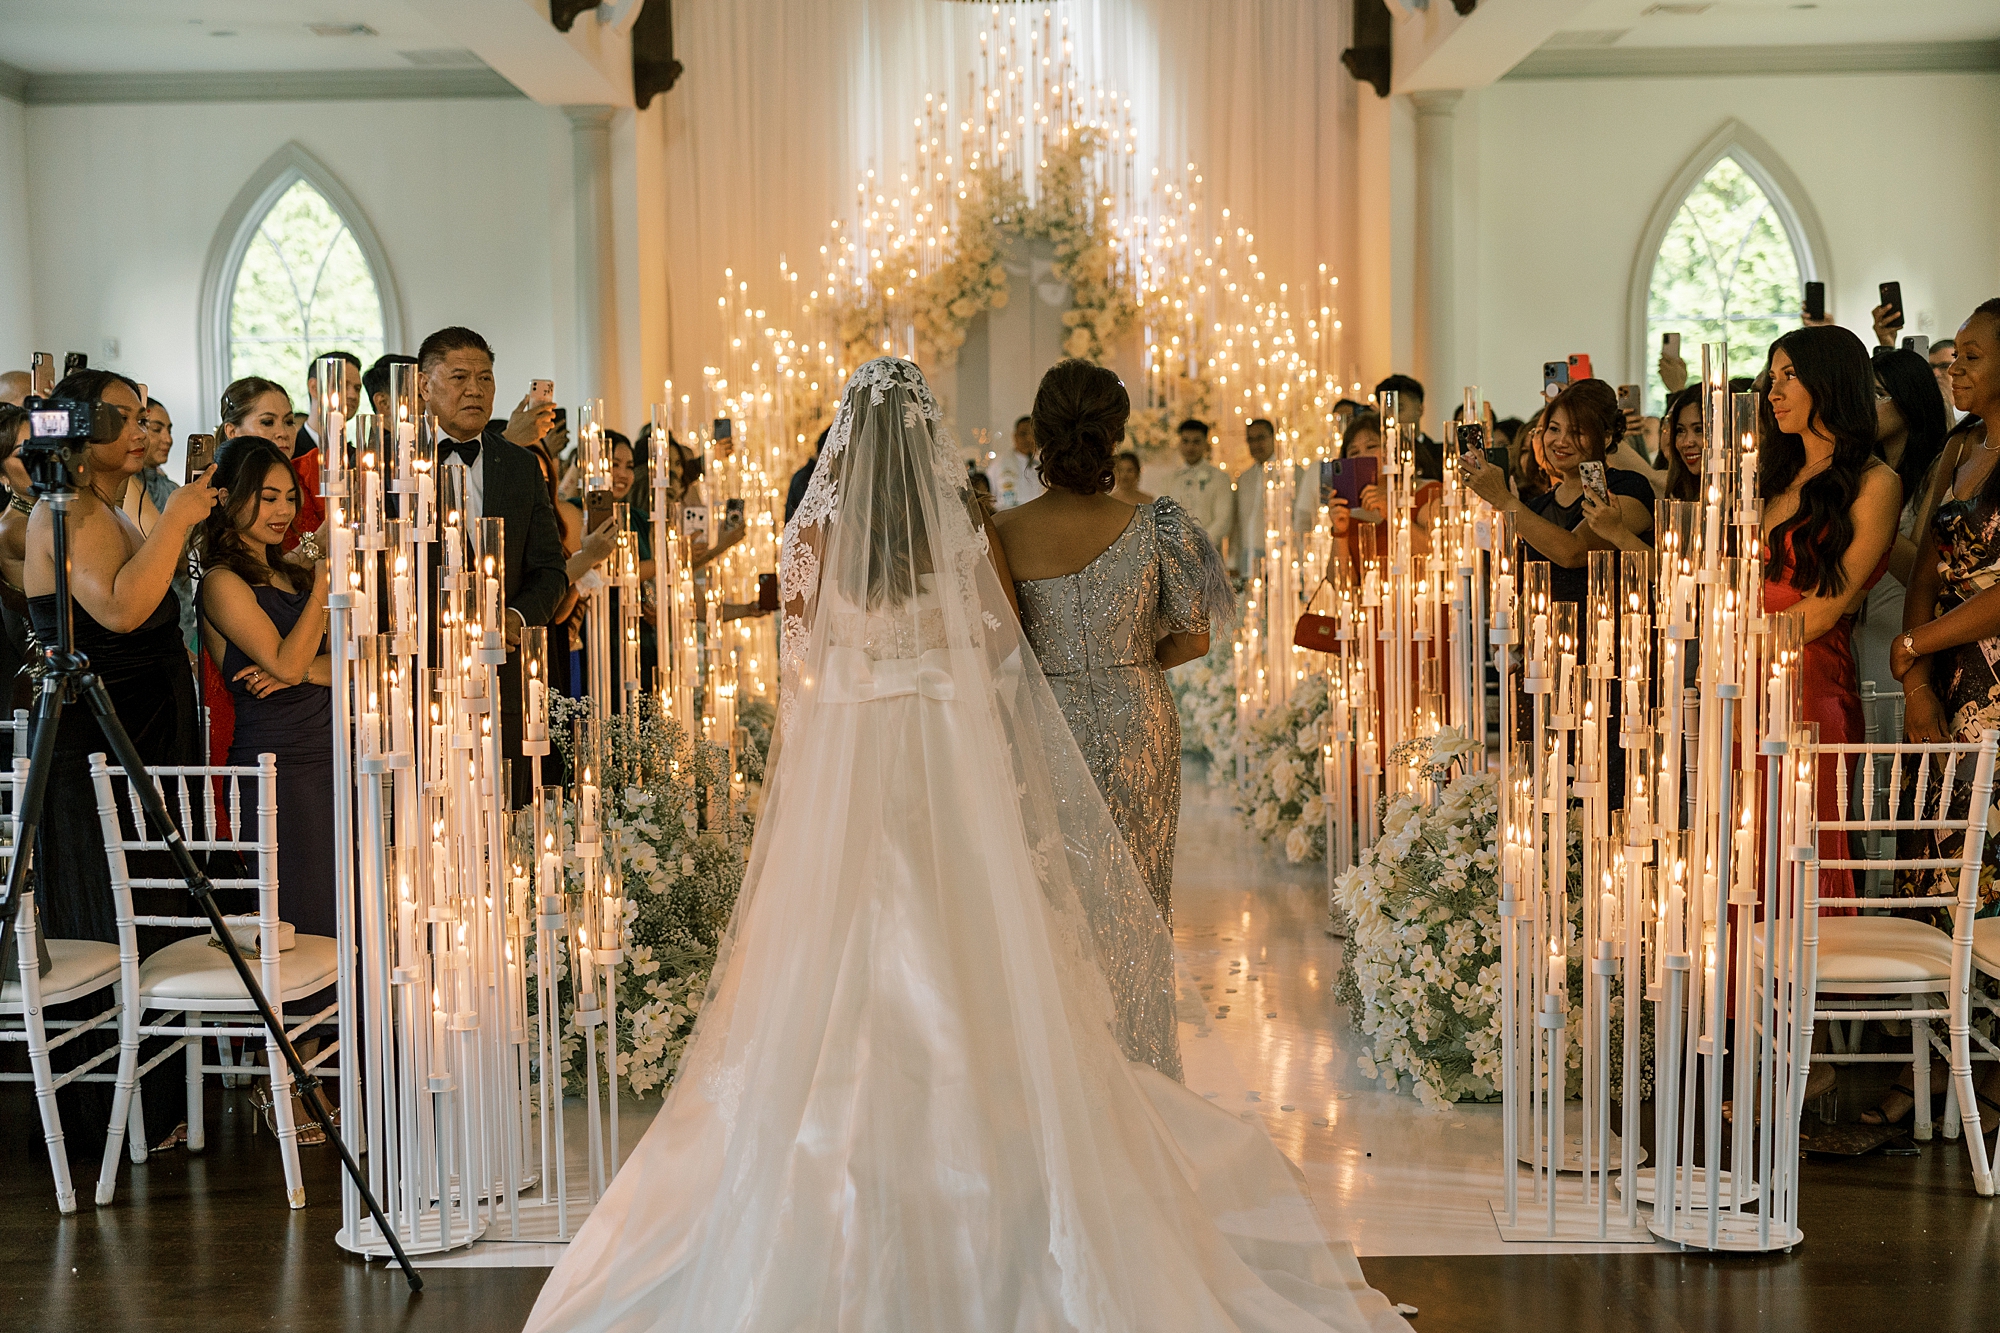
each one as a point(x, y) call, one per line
point(785, 103)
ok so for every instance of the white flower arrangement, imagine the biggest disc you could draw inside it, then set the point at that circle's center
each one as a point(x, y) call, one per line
point(1205, 691)
point(1422, 972)
point(1282, 777)
point(680, 879)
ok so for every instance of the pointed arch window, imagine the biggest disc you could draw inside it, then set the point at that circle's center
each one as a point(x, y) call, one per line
point(304, 288)
point(295, 271)
point(1730, 247)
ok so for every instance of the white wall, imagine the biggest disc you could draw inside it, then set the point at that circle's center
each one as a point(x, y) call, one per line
point(17, 278)
point(469, 198)
point(1560, 176)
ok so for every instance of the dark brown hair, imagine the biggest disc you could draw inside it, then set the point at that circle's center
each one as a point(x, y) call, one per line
point(241, 465)
point(1080, 413)
point(1682, 483)
point(1807, 548)
point(236, 399)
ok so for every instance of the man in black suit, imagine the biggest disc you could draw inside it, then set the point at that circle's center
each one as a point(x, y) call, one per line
point(350, 398)
point(503, 482)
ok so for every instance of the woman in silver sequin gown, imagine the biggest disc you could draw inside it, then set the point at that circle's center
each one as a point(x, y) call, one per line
point(1106, 631)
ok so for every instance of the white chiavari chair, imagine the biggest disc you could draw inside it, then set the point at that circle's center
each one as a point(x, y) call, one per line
point(80, 969)
point(1888, 963)
point(181, 986)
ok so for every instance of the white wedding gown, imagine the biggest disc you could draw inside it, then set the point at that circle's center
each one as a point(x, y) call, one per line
point(906, 1106)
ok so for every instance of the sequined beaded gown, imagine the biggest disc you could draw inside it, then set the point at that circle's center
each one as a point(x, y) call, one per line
point(1095, 632)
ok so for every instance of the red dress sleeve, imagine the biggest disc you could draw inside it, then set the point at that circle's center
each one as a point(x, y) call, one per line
point(312, 509)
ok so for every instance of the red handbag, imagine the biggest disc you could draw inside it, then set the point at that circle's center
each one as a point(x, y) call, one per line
point(1315, 631)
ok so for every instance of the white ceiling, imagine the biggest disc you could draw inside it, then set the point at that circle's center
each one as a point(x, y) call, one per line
point(232, 36)
point(1626, 24)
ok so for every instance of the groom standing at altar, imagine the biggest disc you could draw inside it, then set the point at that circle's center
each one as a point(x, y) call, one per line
point(502, 481)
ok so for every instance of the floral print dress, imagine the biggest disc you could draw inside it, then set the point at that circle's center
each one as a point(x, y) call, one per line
point(1968, 687)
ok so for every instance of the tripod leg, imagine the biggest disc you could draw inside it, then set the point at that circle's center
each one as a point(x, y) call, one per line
point(204, 894)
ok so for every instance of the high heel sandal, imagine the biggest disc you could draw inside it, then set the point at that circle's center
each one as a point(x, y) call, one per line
point(310, 1133)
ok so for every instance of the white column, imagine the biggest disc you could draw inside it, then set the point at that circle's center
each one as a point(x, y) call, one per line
point(1436, 366)
point(596, 292)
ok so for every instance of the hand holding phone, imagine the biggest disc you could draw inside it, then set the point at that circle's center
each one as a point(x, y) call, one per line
point(541, 391)
point(1555, 378)
point(44, 375)
point(1579, 367)
point(1892, 304)
point(200, 453)
point(1594, 481)
point(1815, 307)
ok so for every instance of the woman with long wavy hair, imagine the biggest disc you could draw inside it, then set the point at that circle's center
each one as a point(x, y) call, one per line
point(1830, 510)
point(1910, 428)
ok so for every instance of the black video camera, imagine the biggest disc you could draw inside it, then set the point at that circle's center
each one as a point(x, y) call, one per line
point(58, 431)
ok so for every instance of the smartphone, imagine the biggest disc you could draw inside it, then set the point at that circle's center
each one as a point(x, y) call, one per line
point(1471, 437)
point(722, 429)
point(1592, 475)
point(1892, 296)
point(732, 514)
point(1920, 343)
point(1346, 478)
point(73, 362)
point(767, 592)
point(1555, 378)
point(694, 523)
point(1628, 398)
point(44, 374)
point(597, 510)
point(1670, 343)
point(1497, 456)
point(1579, 367)
point(541, 391)
point(200, 453)
point(1815, 300)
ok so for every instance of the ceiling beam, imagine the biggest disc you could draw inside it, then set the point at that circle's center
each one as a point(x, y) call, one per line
point(589, 65)
point(1682, 62)
point(321, 85)
point(1437, 48)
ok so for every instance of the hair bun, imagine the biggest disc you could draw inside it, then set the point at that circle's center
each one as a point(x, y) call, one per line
point(1079, 419)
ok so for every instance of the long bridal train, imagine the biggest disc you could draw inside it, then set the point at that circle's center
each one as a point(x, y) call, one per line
point(907, 1105)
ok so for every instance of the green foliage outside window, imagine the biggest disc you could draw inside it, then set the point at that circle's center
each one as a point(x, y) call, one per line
point(304, 289)
point(1726, 272)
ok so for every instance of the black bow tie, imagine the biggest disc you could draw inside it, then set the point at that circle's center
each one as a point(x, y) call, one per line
point(465, 449)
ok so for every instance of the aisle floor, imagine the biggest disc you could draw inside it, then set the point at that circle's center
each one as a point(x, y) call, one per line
point(204, 1244)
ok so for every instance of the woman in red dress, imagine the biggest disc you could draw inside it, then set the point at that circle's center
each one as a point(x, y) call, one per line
point(1830, 511)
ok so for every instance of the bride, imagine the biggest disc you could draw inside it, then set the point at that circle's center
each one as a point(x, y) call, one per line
point(907, 1104)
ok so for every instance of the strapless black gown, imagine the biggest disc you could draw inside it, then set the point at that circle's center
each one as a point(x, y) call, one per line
point(147, 676)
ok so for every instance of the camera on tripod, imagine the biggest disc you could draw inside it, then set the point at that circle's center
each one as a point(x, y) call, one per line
point(58, 431)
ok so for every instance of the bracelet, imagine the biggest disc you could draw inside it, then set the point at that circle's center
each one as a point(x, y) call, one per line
point(20, 504)
point(1920, 685)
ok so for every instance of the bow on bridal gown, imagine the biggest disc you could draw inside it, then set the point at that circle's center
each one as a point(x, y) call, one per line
point(907, 1103)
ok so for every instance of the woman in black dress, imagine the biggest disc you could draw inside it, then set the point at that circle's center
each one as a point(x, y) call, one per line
point(126, 620)
point(264, 622)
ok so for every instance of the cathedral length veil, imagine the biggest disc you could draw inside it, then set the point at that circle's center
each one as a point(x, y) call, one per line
point(908, 1102)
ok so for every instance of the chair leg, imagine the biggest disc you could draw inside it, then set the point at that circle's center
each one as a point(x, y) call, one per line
point(45, 1101)
point(288, 1129)
point(197, 1138)
point(1967, 1098)
point(121, 1100)
point(1920, 1080)
point(225, 1054)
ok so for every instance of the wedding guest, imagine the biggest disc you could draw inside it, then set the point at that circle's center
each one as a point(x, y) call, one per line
point(502, 481)
point(14, 638)
point(1830, 508)
point(1580, 425)
point(375, 381)
point(264, 622)
point(1252, 484)
point(350, 398)
point(1125, 470)
point(126, 622)
point(1682, 440)
point(1950, 690)
point(15, 386)
point(1016, 480)
point(1111, 596)
point(260, 407)
point(1410, 407)
point(1201, 487)
point(1909, 435)
point(147, 496)
point(1940, 358)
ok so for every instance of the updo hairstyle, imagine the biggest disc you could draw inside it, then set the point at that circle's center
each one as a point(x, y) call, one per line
point(1079, 416)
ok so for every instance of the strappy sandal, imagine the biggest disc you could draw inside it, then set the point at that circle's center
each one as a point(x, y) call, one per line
point(309, 1133)
point(177, 1139)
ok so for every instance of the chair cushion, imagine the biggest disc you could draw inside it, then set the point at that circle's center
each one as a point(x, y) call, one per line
point(190, 971)
point(79, 967)
point(1881, 950)
point(1986, 945)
